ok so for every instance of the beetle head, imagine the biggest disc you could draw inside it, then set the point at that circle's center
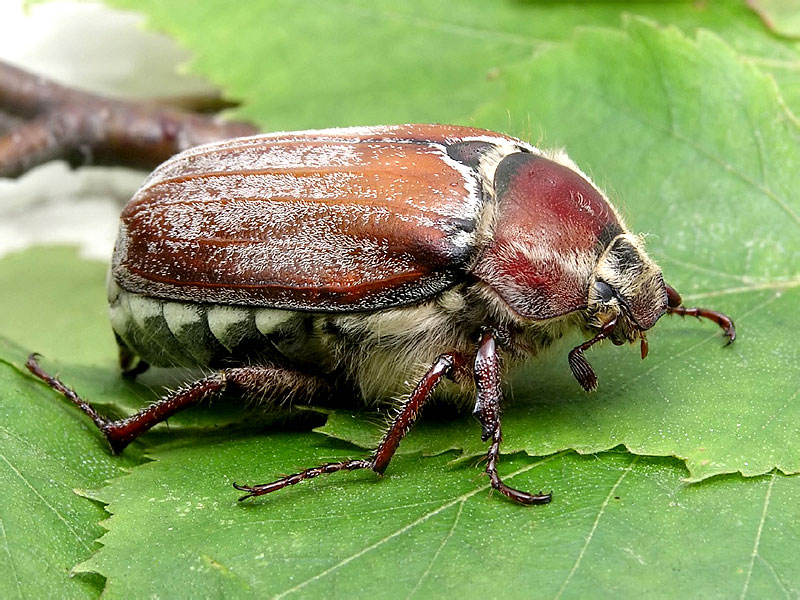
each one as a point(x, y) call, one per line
point(627, 285)
point(626, 297)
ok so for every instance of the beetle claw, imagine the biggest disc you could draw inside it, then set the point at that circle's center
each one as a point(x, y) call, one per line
point(730, 333)
point(251, 491)
point(645, 348)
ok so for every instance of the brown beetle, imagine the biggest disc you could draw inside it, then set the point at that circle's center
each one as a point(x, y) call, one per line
point(370, 257)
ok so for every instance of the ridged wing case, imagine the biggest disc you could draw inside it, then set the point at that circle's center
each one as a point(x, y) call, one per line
point(330, 220)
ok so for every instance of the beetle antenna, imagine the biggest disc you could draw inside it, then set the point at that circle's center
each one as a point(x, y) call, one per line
point(581, 369)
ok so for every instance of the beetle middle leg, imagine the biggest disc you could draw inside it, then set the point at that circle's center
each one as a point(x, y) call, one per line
point(391, 440)
point(675, 307)
point(487, 410)
point(251, 382)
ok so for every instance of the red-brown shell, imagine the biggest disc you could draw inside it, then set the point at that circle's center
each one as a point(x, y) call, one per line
point(330, 220)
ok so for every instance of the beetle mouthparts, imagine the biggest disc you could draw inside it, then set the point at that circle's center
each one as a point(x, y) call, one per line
point(644, 347)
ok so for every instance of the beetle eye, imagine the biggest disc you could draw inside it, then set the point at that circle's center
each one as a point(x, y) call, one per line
point(604, 290)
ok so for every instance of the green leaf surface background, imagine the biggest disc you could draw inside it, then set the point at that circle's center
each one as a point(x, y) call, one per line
point(45, 455)
point(692, 132)
point(707, 179)
point(431, 529)
point(311, 63)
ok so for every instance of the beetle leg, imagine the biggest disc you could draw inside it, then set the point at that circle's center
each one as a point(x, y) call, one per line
point(675, 307)
point(388, 445)
point(250, 381)
point(406, 417)
point(489, 396)
point(55, 383)
point(487, 382)
point(581, 369)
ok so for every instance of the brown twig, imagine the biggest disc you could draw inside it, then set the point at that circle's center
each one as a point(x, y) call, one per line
point(81, 128)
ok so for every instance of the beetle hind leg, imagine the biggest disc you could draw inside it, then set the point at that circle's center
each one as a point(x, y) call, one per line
point(327, 468)
point(32, 364)
point(254, 382)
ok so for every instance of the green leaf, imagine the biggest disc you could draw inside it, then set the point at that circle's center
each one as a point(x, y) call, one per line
point(699, 152)
point(428, 529)
point(782, 16)
point(47, 451)
point(58, 306)
point(309, 63)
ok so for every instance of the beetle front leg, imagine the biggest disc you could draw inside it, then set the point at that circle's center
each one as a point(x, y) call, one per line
point(675, 307)
point(487, 407)
point(391, 439)
point(254, 382)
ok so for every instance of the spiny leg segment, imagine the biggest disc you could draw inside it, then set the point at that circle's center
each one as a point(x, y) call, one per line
point(260, 381)
point(487, 409)
point(249, 381)
point(391, 440)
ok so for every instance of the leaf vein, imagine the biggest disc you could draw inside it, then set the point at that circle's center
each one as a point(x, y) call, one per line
point(778, 286)
point(770, 418)
point(775, 576)
point(46, 503)
point(757, 542)
point(451, 28)
point(11, 559)
point(700, 269)
point(775, 63)
point(727, 166)
point(589, 537)
point(656, 64)
point(780, 202)
point(439, 549)
point(689, 349)
point(407, 527)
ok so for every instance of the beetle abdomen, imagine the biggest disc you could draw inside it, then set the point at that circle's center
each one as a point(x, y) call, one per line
point(379, 352)
point(337, 220)
point(168, 333)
